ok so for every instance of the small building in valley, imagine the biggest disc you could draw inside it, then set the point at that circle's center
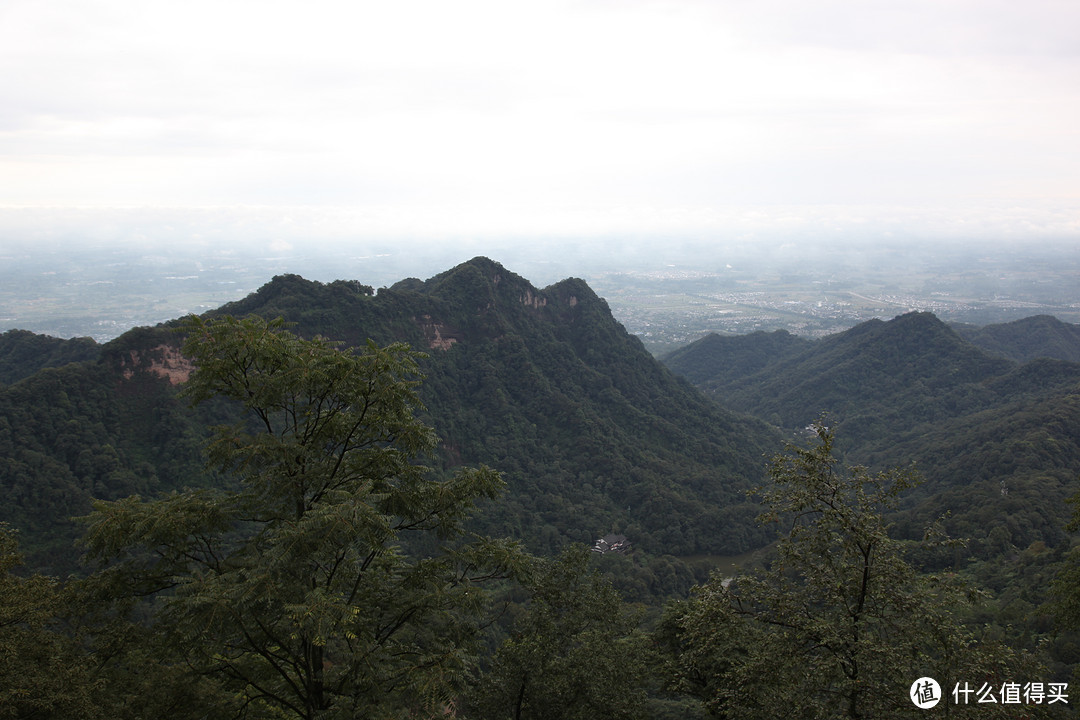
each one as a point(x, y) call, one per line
point(612, 544)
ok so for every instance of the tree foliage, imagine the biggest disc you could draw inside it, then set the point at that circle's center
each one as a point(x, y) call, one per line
point(591, 435)
point(840, 624)
point(43, 673)
point(22, 353)
point(334, 580)
point(573, 654)
point(1065, 590)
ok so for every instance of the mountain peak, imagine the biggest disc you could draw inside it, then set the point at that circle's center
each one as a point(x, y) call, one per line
point(573, 291)
point(1027, 339)
point(519, 377)
point(920, 321)
point(482, 280)
point(478, 266)
point(853, 375)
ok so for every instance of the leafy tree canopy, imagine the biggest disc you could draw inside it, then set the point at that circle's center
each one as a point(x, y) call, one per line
point(334, 580)
point(573, 653)
point(841, 624)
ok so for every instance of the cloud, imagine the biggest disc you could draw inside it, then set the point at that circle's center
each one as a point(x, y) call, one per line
point(482, 114)
point(479, 230)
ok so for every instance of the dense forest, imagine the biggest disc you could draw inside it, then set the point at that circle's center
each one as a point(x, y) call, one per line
point(326, 501)
point(591, 433)
point(990, 419)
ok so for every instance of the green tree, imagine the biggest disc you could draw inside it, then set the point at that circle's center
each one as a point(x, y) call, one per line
point(65, 653)
point(43, 673)
point(574, 653)
point(840, 625)
point(332, 577)
point(1064, 600)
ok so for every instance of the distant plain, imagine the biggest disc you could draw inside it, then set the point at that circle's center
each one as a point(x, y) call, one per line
point(667, 297)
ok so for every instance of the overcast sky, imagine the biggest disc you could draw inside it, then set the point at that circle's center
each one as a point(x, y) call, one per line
point(435, 118)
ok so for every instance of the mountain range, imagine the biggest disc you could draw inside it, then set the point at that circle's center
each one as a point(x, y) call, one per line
point(593, 434)
point(990, 416)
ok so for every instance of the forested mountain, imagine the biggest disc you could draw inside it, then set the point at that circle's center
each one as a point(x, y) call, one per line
point(23, 353)
point(715, 360)
point(874, 370)
point(301, 564)
point(592, 434)
point(1039, 336)
point(996, 439)
point(104, 428)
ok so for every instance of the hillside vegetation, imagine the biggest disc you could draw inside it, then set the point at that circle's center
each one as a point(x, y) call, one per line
point(590, 432)
point(1040, 336)
point(23, 353)
point(997, 440)
point(381, 503)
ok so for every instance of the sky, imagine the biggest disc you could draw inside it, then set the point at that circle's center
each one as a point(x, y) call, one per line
point(144, 121)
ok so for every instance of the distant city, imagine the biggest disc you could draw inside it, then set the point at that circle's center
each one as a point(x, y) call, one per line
point(671, 307)
point(666, 301)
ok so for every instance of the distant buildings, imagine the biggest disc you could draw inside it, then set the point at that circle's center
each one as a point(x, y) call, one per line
point(612, 544)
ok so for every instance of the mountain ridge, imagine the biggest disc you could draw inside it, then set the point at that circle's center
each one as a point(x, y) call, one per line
point(992, 436)
point(553, 370)
point(22, 353)
point(592, 433)
point(1038, 336)
point(844, 374)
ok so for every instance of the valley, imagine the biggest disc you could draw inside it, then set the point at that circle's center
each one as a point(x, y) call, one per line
point(667, 298)
point(672, 307)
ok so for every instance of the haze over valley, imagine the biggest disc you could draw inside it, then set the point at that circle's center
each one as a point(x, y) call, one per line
point(666, 293)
